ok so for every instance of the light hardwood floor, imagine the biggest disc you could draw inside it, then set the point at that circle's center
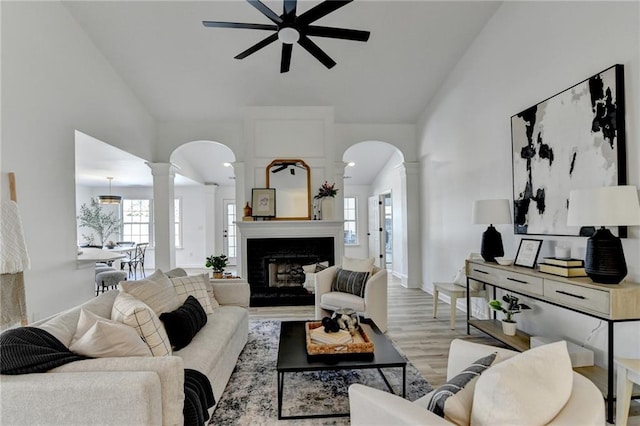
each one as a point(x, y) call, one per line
point(423, 339)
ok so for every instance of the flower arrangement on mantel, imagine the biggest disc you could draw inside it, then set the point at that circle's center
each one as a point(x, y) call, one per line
point(326, 190)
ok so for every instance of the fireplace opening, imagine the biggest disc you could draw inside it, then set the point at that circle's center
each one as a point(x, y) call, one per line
point(274, 268)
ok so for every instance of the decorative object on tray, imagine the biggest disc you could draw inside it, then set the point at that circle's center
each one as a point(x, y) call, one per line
point(217, 263)
point(575, 139)
point(347, 319)
point(528, 252)
point(563, 267)
point(360, 343)
point(512, 308)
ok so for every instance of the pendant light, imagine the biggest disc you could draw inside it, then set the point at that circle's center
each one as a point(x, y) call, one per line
point(109, 199)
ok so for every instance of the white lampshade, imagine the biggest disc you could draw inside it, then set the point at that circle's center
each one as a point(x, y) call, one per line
point(489, 212)
point(605, 206)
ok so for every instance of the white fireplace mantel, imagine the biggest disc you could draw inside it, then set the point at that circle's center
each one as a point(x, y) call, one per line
point(290, 229)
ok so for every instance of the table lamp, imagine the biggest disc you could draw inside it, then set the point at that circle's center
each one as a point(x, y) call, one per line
point(490, 212)
point(607, 206)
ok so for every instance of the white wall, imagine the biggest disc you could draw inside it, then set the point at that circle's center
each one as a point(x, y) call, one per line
point(527, 52)
point(54, 82)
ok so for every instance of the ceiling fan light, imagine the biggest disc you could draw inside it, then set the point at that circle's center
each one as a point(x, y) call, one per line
point(288, 35)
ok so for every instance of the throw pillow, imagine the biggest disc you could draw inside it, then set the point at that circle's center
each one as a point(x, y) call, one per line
point(135, 313)
point(196, 286)
point(358, 265)
point(528, 389)
point(99, 337)
point(350, 282)
point(176, 272)
point(156, 291)
point(184, 323)
point(454, 399)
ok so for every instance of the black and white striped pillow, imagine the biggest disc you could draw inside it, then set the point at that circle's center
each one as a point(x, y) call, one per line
point(350, 282)
point(466, 378)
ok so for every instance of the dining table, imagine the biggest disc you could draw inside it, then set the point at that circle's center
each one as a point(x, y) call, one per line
point(94, 254)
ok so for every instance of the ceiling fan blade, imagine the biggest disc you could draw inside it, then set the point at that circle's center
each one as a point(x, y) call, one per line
point(313, 48)
point(217, 24)
point(342, 33)
point(253, 49)
point(317, 12)
point(289, 7)
point(279, 169)
point(266, 11)
point(285, 62)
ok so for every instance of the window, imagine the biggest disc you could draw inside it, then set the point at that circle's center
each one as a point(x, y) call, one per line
point(178, 222)
point(136, 220)
point(350, 221)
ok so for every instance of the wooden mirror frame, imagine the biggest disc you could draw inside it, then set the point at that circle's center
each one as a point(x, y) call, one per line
point(302, 164)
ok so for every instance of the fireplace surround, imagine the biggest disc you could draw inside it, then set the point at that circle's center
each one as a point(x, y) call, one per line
point(273, 253)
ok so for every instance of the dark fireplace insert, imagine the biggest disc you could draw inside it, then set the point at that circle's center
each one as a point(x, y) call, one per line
point(274, 268)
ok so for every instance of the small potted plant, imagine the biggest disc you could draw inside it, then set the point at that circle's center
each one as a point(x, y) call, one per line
point(217, 263)
point(511, 308)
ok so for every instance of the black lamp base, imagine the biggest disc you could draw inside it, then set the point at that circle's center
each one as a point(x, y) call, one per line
point(491, 244)
point(604, 260)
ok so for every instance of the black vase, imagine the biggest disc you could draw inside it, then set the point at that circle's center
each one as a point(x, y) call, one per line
point(604, 261)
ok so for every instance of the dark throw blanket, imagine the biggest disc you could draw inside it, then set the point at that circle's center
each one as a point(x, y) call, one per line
point(32, 350)
point(27, 350)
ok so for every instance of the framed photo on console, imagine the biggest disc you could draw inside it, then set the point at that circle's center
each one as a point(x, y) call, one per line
point(263, 202)
point(528, 252)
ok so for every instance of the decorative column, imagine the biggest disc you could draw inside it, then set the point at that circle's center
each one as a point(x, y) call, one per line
point(164, 215)
point(210, 191)
point(409, 178)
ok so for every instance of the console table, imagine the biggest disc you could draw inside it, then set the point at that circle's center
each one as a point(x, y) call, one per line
point(610, 303)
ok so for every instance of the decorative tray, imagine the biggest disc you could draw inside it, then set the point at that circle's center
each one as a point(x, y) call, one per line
point(360, 345)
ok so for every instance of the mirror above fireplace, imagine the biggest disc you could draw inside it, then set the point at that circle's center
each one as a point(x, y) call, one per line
point(291, 178)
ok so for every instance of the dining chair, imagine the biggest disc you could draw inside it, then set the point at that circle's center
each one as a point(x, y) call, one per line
point(136, 260)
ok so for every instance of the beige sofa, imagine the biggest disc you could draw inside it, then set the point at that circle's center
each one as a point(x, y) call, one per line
point(130, 390)
point(584, 404)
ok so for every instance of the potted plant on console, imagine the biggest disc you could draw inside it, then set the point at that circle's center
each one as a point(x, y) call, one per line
point(217, 263)
point(511, 308)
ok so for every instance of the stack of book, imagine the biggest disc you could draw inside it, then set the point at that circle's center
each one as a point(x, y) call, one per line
point(563, 267)
point(319, 336)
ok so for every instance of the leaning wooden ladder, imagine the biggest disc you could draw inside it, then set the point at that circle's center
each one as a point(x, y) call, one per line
point(13, 300)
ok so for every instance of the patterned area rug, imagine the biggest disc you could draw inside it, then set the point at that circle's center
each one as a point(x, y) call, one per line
point(251, 396)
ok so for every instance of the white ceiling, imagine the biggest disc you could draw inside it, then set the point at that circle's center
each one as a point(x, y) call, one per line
point(181, 70)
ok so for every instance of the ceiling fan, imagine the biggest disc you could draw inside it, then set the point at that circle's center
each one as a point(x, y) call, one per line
point(290, 28)
point(286, 164)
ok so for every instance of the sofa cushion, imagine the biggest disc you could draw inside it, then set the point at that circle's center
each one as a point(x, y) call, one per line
point(454, 399)
point(183, 323)
point(527, 389)
point(348, 281)
point(156, 291)
point(358, 265)
point(135, 313)
point(99, 337)
point(196, 286)
point(334, 300)
point(209, 345)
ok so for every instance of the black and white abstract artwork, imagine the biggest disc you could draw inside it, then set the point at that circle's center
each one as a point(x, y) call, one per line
point(573, 140)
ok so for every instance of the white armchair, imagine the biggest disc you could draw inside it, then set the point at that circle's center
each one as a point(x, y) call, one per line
point(373, 305)
point(370, 406)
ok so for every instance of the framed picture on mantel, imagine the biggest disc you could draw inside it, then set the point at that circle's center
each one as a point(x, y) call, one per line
point(263, 201)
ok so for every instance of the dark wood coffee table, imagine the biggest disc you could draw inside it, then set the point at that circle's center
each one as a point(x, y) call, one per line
point(293, 357)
